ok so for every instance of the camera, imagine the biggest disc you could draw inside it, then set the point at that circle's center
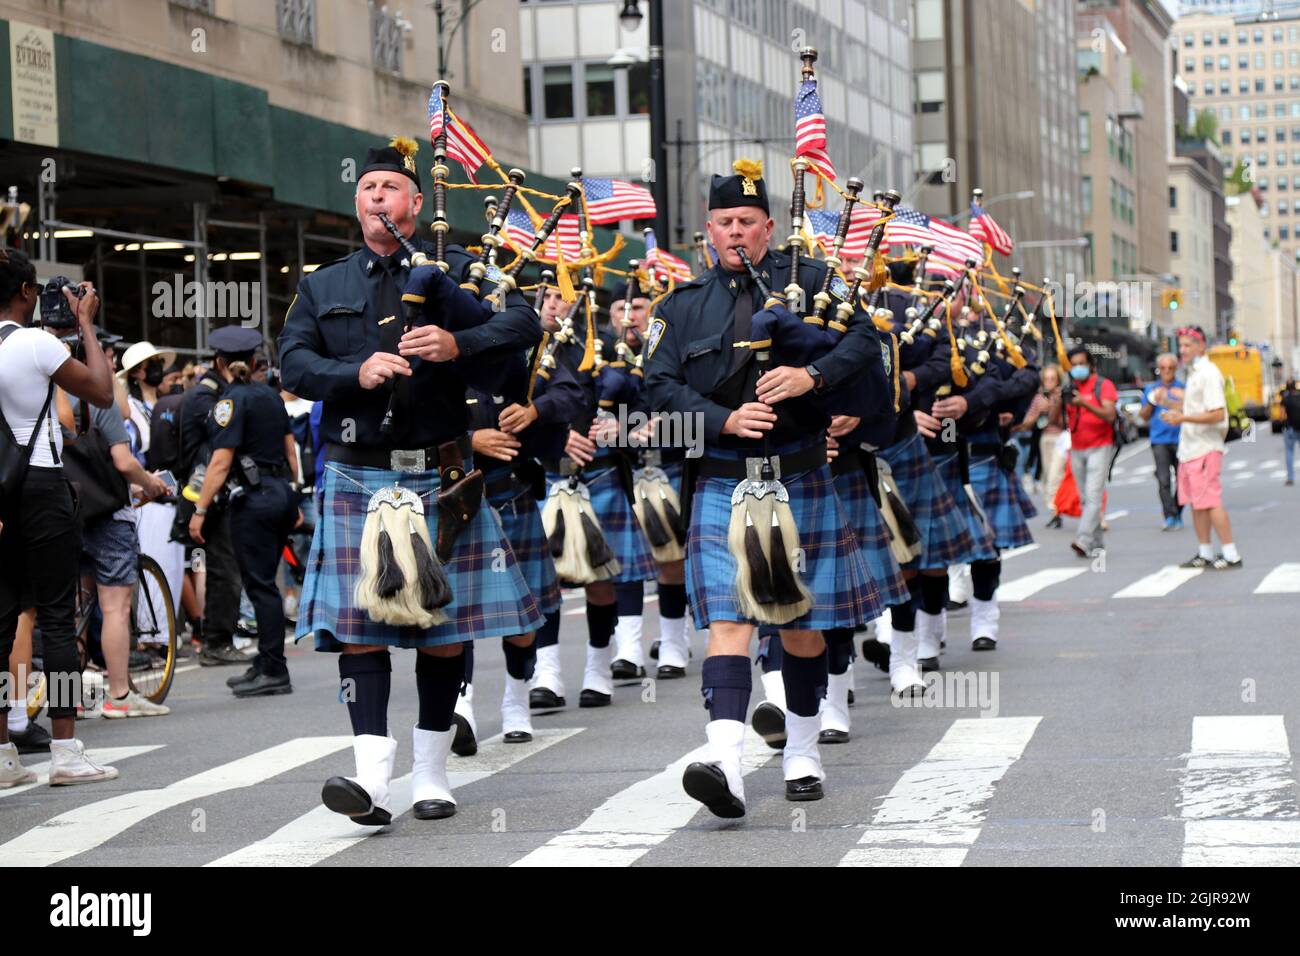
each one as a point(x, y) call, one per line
point(55, 311)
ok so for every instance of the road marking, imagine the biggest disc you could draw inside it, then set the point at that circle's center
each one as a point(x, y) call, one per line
point(1022, 588)
point(1278, 475)
point(1138, 447)
point(1238, 465)
point(1283, 579)
point(1160, 583)
point(1115, 515)
point(321, 833)
point(634, 821)
point(93, 824)
point(934, 813)
point(1017, 552)
point(1239, 794)
point(1271, 463)
point(1243, 476)
point(101, 755)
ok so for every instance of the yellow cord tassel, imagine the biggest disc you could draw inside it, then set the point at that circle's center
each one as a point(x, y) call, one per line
point(955, 360)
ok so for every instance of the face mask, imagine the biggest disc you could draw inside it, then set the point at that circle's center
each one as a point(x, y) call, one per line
point(153, 375)
point(1078, 372)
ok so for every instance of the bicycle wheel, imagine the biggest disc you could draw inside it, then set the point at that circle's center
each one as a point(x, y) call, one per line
point(153, 633)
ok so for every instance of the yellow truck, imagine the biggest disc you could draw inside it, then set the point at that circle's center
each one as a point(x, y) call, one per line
point(1245, 366)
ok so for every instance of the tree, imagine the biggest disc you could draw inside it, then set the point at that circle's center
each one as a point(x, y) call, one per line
point(1207, 125)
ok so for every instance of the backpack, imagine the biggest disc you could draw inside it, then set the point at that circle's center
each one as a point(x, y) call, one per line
point(165, 435)
point(14, 457)
point(1117, 426)
point(1239, 422)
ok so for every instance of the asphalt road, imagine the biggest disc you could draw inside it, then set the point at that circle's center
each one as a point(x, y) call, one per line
point(1130, 716)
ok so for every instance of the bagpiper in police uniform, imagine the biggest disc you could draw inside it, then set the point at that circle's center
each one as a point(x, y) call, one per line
point(409, 472)
point(755, 428)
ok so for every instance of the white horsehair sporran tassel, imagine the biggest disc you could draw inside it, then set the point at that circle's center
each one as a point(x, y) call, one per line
point(402, 581)
point(763, 538)
point(659, 512)
point(577, 544)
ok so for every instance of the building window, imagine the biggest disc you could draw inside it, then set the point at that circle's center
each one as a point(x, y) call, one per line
point(1085, 190)
point(557, 92)
point(1207, 39)
point(1282, 208)
point(1243, 86)
point(1262, 183)
point(930, 92)
point(1296, 206)
point(1258, 36)
point(1293, 58)
point(1173, 197)
point(1244, 112)
point(385, 40)
point(1294, 82)
point(1243, 61)
point(1259, 84)
point(1277, 60)
point(297, 20)
point(1279, 134)
point(1225, 87)
point(1085, 132)
point(1261, 110)
point(1261, 159)
point(1261, 135)
point(1259, 61)
point(1224, 63)
point(600, 90)
point(1277, 84)
point(1281, 184)
point(1280, 158)
point(1223, 39)
point(1173, 241)
point(1208, 63)
point(638, 89)
point(528, 92)
point(1277, 34)
point(1284, 232)
point(1227, 136)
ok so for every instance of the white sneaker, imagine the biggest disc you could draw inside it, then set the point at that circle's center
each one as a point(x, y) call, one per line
point(70, 765)
point(12, 771)
point(134, 705)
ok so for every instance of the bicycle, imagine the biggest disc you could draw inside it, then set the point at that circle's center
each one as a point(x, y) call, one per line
point(154, 640)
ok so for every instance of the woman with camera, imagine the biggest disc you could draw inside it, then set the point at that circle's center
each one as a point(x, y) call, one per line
point(40, 544)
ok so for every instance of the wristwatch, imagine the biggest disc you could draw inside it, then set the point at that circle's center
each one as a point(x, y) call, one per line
point(200, 511)
point(819, 381)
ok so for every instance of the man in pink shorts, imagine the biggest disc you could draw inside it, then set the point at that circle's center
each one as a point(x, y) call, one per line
point(1203, 417)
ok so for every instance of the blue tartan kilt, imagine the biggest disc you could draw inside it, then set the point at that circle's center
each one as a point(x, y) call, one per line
point(996, 490)
point(945, 536)
point(521, 520)
point(1027, 507)
point(984, 546)
point(490, 598)
point(854, 491)
point(673, 470)
point(619, 525)
point(834, 571)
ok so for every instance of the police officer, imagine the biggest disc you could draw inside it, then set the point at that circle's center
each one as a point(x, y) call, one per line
point(345, 343)
point(252, 442)
point(221, 571)
point(692, 368)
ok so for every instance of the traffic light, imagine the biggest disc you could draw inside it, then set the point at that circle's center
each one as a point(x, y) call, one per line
point(1171, 299)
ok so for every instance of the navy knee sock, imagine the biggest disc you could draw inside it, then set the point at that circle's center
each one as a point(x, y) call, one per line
point(805, 683)
point(468, 655)
point(902, 617)
point(364, 684)
point(548, 635)
point(726, 682)
point(839, 649)
point(438, 681)
point(520, 660)
point(672, 600)
point(600, 623)
point(934, 592)
point(770, 650)
point(629, 598)
point(985, 576)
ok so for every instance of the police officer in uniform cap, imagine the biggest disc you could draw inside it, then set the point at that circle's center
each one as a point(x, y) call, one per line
point(775, 423)
point(252, 451)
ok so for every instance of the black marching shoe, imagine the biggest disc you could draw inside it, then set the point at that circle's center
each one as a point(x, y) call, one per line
point(34, 740)
point(852, 699)
point(264, 685)
point(625, 670)
point(832, 736)
point(220, 655)
point(707, 783)
point(1054, 522)
point(876, 653)
point(768, 722)
point(350, 798)
point(928, 664)
point(433, 810)
point(593, 698)
point(654, 651)
point(805, 788)
point(955, 605)
point(670, 672)
point(543, 698)
point(465, 744)
point(984, 644)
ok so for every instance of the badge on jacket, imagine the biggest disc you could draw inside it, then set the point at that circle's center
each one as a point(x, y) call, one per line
point(839, 288)
point(223, 411)
point(887, 356)
point(657, 329)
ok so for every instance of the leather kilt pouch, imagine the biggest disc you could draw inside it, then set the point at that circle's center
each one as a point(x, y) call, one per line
point(460, 496)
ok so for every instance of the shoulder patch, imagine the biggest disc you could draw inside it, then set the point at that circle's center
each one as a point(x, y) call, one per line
point(655, 335)
point(839, 288)
point(223, 411)
point(494, 273)
point(887, 356)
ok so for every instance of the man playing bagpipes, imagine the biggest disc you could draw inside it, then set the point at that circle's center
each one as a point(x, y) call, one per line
point(1010, 364)
point(593, 532)
point(402, 552)
point(768, 541)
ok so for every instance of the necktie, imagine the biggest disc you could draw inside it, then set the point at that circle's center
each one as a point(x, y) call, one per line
point(391, 282)
point(743, 323)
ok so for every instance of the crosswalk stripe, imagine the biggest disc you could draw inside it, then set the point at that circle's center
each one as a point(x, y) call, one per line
point(1238, 465)
point(1271, 463)
point(1021, 588)
point(1114, 515)
point(1276, 475)
point(634, 821)
point(1158, 584)
point(1239, 794)
point(934, 813)
point(1283, 579)
point(1017, 552)
point(321, 833)
point(93, 824)
point(101, 755)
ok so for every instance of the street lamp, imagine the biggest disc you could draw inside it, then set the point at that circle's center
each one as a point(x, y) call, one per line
point(1023, 194)
point(630, 17)
point(440, 17)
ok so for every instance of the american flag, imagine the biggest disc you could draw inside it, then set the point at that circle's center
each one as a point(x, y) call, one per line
point(463, 144)
point(823, 225)
point(664, 262)
point(952, 247)
point(609, 200)
point(983, 228)
point(519, 231)
point(810, 127)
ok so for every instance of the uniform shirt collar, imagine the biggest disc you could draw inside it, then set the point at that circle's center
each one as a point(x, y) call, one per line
point(765, 266)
